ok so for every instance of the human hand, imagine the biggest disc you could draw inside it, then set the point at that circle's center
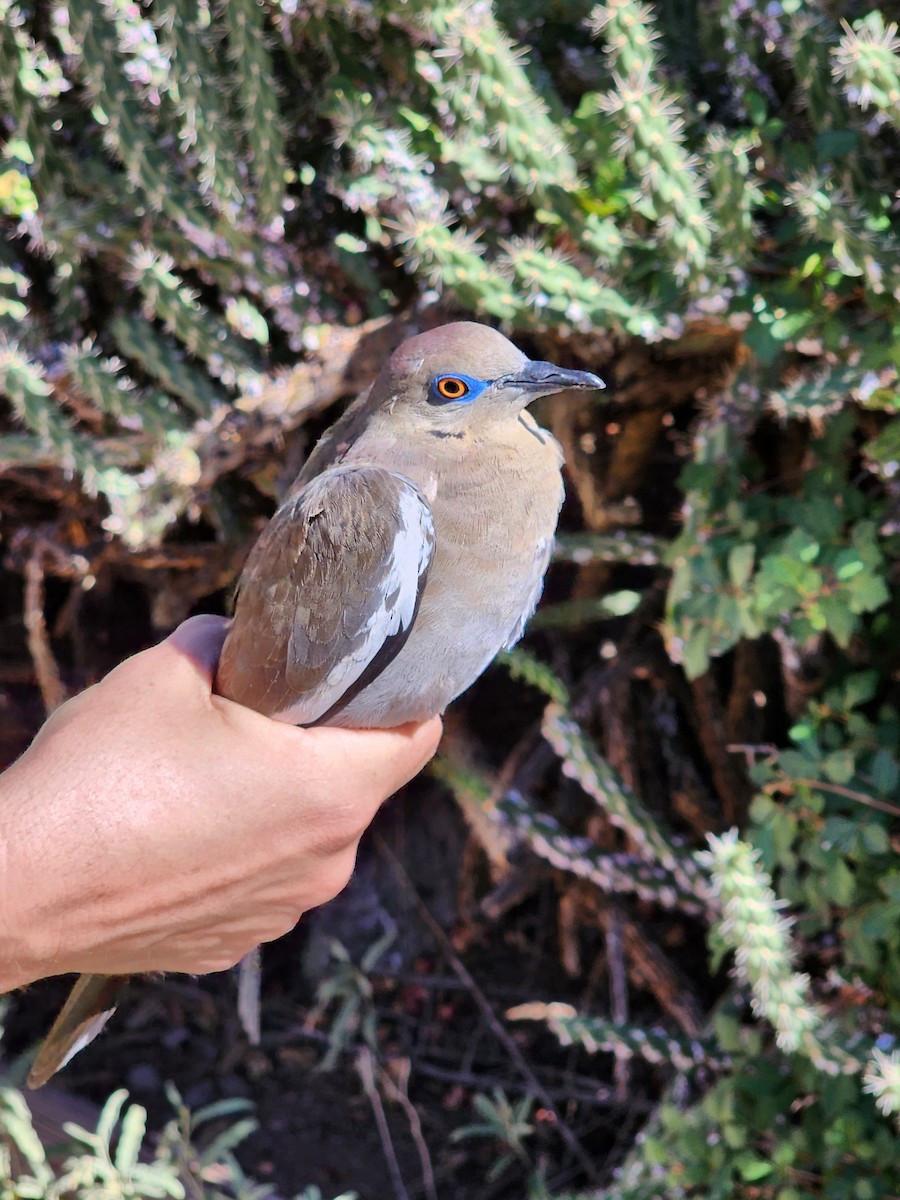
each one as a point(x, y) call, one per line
point(153, 825)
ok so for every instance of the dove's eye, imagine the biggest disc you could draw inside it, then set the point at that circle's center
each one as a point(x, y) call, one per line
point(456, 387)
point(451, 387)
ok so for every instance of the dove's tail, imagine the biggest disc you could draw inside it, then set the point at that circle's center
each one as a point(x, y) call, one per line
point(92, 1001)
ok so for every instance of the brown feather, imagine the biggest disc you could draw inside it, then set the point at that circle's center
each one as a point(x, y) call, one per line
point(318, 591)
point(91, 1002)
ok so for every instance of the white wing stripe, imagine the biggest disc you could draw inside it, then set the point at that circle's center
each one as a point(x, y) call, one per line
point(394, 606)
point(410, 556)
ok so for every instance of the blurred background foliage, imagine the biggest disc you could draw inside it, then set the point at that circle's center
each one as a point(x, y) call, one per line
point(219, 217)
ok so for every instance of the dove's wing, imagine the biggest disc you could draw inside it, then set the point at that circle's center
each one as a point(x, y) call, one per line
point(329, 593)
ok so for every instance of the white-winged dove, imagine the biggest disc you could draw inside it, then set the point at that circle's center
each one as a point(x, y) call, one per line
point(412, 547)
point(410, 550)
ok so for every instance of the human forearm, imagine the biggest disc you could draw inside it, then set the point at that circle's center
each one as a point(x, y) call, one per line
point(155, 826)
point(22, 957)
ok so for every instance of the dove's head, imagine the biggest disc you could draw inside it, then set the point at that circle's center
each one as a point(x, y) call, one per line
point(459, 377)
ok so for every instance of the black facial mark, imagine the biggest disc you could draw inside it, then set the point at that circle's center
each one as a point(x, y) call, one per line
point(534, 429)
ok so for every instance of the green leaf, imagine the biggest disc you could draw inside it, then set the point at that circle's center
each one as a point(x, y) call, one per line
point(841, 833)
point(735, 1135)
point(740, 563)
point(620, 604)
point(18, 148)
point(860, 688)
point(247, 320)
point(757, 107)
point(836, 143)
point(885, 773)
point(884, 450)
point(230, 1137)
point(218, 1109)
point(867, 592)
point(131, 1137)
point(890, 885)
point(838, 618)
point(752, 1169)
point(109, 1115)
point(16, 197)
point(728, 1032)
point(695, 655)
point(840, 883)
point(876, 921)
point(839, 767)
point(850, 566)
point(874, 838)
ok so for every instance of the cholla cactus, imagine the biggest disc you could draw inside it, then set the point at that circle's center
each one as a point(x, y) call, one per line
point(454, 258)
point(481, 78)
point(619, 874)
point(161, 359)
point(29, 81)
point(258, 100)
point(580, 761)
point(753, 927)
point(834, 217)
point(104, 383)
point(177, 307)
point(146, 62)
point(656, 1046)
point(25, 385)
point(553, 288)
point(204, 126)
point(650, 134)
point(124, 123)
point(734, 195)
point(882, 1080)
point(808, 36)
point(867, 62)
point(524, 666)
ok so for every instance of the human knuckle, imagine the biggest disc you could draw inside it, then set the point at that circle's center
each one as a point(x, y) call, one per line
point(338, 874)
point(351, 822)
point(279, 924)
point(334, 841)
point(223, 960)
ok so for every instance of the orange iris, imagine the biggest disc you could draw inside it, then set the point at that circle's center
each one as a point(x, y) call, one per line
point(452, 388)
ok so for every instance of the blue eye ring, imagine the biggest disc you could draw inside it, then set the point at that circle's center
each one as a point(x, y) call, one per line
point(456, 388)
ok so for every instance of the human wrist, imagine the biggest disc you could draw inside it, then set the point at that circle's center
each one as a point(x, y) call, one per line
point(34, 905)
point(22, 958)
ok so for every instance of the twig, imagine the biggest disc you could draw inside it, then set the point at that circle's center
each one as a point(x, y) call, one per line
point(651, 968)
point(851, 794)
point(46, 670)
point(731, 783)
point(365, 1067)
point(488, 1013)
point(580, 1088)
point(595, 1095)
point(618, 995)
point(398, 1093)
point(836, 789)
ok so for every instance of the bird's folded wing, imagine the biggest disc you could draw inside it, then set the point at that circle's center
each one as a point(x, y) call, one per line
point(329, 593)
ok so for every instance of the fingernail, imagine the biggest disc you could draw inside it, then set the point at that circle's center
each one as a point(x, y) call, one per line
point(201, 639)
